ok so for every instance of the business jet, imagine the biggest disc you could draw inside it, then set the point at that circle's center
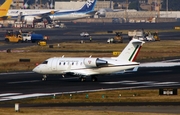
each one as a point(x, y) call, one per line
point(91, 66)
point(4, 9)
point(29, 15)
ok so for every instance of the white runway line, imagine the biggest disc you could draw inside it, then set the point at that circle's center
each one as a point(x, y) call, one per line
point(26, 96)
point(16, 82)
point(9, 94)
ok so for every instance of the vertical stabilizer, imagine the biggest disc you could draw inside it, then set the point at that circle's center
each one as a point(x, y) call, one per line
point(131, 51)
point(5, 7)
point(88, 7)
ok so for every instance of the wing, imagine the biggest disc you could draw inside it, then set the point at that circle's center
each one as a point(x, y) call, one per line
point(47, 13)
point(81, 72)
point(4, 17)
point(160, 64)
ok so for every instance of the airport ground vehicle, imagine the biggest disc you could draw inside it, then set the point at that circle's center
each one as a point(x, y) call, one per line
point(42, 43)
point(84, 34)
point(12, 36)
point(33, 37)
point(142, 35)
point(20, 36)
point(116, 39)
point(156, 36)
point(38, 37)
point(136, 34)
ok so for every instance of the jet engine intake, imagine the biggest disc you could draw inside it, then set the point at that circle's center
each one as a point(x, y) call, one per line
point(94, 62)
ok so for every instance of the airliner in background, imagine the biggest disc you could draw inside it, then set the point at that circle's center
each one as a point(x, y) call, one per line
point(102, 12)
point(85, 11)
point(84, 67)
point(30, 14)
point(4, 9)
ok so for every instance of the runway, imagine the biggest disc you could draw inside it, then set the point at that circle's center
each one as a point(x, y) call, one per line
point(27, 84)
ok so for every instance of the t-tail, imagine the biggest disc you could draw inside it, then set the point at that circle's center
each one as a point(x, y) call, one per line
point(5, 7)
point(131, 51)
point(88, 7)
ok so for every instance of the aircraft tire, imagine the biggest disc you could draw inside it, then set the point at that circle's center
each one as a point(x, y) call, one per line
point(82, 79)
point(44, 78)
point(93, 79)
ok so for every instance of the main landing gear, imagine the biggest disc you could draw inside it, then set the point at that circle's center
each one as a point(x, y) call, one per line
point(82, 79)
point(44, 78)
point(93, 79)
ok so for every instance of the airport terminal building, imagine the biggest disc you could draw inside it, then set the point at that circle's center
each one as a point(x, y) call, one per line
point(79, 4)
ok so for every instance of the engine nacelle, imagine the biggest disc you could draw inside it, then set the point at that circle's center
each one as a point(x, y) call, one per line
point(94, 62)
point(101, 13)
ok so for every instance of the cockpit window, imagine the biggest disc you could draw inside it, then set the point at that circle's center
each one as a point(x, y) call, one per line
point(45, 62)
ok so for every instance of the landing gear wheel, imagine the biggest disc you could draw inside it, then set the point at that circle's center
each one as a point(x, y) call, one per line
point(44, 78)
point(93, 79)
point(82, 79)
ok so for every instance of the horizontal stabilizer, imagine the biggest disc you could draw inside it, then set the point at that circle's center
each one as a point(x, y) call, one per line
point(159, 64)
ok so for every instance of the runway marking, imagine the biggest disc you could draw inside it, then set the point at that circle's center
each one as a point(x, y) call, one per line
point(117, 82)
point(159, 71)
point(27, 96)
point(15, 73)
point(24, 81)
point(8, 94)
point(143, 84)
point(161, 83)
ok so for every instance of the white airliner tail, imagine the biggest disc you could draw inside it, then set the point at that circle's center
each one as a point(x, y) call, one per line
point(88, 6)
point(131, 51)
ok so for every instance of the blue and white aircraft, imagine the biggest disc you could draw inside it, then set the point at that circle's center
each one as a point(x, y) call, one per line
point(54, 14)
point(85, 11)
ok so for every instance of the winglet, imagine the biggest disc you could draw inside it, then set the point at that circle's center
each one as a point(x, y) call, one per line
point(131, 51)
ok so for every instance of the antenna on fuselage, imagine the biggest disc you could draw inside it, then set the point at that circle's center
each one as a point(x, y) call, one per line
point(90, 56)
point(63, 56)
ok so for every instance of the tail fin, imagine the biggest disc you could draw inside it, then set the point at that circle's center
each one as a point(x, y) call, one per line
point(5, 7)
point(131, 51)
point(88, 7)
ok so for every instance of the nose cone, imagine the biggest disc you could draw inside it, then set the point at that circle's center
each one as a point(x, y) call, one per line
point(36, 69)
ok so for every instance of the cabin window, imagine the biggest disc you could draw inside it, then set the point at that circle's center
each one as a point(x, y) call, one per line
point(64, 63)
point(59, 63)
point(72, 63)
point(45, 62)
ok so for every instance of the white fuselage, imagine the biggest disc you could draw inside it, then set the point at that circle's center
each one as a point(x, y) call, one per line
point(92, 66)
point(29, 12)
point(36, 13)
point(83, 66)
point(71, 16)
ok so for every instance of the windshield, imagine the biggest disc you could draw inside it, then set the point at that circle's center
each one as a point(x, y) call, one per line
point(45, 62)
